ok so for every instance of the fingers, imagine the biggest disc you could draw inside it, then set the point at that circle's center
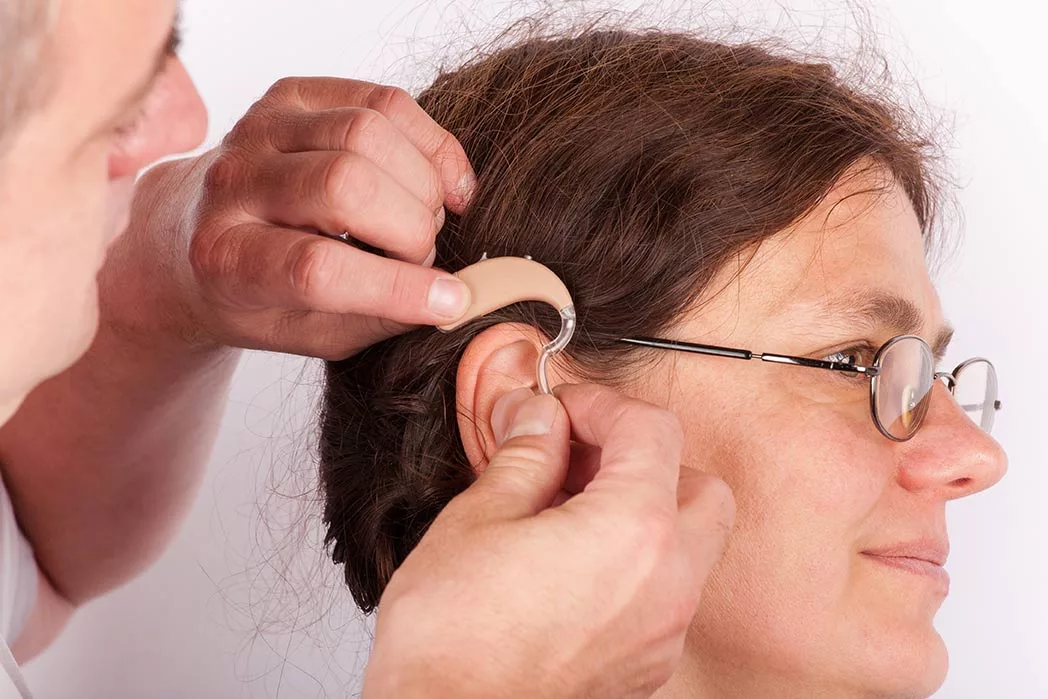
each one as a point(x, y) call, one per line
point(706, 515)
point(370, 135)
point(435, 143)
point(334, 191)
point(584, 466)
point(526, 473)
point(640, 443)
point(263, 266)
point(328, 336)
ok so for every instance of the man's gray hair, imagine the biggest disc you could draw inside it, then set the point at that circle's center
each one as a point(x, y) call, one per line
point(24, 26)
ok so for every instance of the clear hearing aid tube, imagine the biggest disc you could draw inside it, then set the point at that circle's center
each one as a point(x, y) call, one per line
point(559, 344)
point(503, 281)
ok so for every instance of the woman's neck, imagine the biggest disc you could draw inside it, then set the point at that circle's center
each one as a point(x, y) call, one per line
point(702, 678)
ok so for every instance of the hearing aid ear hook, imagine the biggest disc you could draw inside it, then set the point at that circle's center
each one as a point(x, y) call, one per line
point(503, 281)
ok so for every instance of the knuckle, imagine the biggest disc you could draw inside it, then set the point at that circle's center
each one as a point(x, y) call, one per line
point(665, 424)
point(223, 176)
point(391, 101)
point(659, 425)
point(424, 237)
point(312, 269)
point(346, 183)
point(648, 528)
point(366, 131)
point(658, 527)
point(246, 130)
point(710, 503)
point(434, 190)
point(282, 90)
point(681, 612)
point(448, 149)
point(717, 496)
point(209, 257)
point(201, 259)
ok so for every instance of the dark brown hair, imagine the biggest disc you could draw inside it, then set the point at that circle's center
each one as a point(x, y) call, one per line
point(634, 165)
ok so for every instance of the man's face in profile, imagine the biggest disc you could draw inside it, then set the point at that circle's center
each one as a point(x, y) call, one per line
point(117, 99)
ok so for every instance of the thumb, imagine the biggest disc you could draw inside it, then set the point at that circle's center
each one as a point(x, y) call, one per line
point(526, 473)
point(706, 515)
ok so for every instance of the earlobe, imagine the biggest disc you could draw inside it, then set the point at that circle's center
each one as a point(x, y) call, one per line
point(498, 361)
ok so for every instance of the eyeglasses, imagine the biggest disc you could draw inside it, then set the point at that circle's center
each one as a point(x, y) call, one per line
point(901, 379)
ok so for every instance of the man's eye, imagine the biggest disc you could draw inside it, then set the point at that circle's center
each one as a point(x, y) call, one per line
point(130, 126)
point(122, 136)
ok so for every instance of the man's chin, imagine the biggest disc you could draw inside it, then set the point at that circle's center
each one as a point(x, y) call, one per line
point(56, 350)
point(9, 407)
point(83, 328)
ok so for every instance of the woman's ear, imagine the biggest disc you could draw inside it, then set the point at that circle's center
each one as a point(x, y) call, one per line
point(499, 360)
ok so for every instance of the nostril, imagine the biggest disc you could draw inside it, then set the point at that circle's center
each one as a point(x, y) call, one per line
point(962, 483)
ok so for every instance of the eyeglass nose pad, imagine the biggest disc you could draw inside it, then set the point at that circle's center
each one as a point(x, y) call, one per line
point(951, 380)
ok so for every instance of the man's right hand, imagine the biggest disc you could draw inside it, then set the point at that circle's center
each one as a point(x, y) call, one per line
point(223, 248)
point(566, 570)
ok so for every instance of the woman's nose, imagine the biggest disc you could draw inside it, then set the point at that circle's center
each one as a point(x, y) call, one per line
point(950, 454)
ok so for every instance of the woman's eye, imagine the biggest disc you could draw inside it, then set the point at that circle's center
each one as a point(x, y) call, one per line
point(859, 356)
point(855, 356)
point(848, 357)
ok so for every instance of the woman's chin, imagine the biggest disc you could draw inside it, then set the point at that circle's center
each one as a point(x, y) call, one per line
point(909, 665)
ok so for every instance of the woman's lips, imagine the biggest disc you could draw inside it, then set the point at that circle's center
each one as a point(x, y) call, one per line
point(925, 566)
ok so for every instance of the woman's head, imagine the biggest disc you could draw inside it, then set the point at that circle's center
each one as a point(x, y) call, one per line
point(713, 193)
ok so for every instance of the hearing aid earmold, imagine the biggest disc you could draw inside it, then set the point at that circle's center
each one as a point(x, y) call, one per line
point(503, 281)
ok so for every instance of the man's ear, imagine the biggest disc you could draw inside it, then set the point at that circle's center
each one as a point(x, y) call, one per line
point(498, 361)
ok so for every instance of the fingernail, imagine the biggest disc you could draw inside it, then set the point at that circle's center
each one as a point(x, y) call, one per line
point(534, 418)
point(448, 298)
point(466, 186)
point(505, 410)
point(441, 217)
point(431, 258)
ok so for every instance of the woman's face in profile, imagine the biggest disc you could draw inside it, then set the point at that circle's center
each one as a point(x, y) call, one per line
point(831, 579)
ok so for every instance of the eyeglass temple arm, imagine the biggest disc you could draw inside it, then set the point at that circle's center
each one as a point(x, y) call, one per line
point(972, 407)
point(695, 348)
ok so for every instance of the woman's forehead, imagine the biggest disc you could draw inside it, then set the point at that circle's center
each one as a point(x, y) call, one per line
point(862, 247)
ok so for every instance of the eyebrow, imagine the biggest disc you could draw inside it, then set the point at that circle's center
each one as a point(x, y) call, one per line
point(878, 308)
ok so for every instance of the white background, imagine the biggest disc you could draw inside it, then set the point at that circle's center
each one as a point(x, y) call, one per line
point(244, 604)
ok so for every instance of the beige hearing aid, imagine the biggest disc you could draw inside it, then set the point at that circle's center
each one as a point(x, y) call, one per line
point(503, 281)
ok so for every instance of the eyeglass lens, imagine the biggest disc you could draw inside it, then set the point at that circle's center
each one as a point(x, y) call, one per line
point(903, 388)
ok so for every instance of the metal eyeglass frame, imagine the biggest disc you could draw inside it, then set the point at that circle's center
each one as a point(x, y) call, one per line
point(872, 371)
